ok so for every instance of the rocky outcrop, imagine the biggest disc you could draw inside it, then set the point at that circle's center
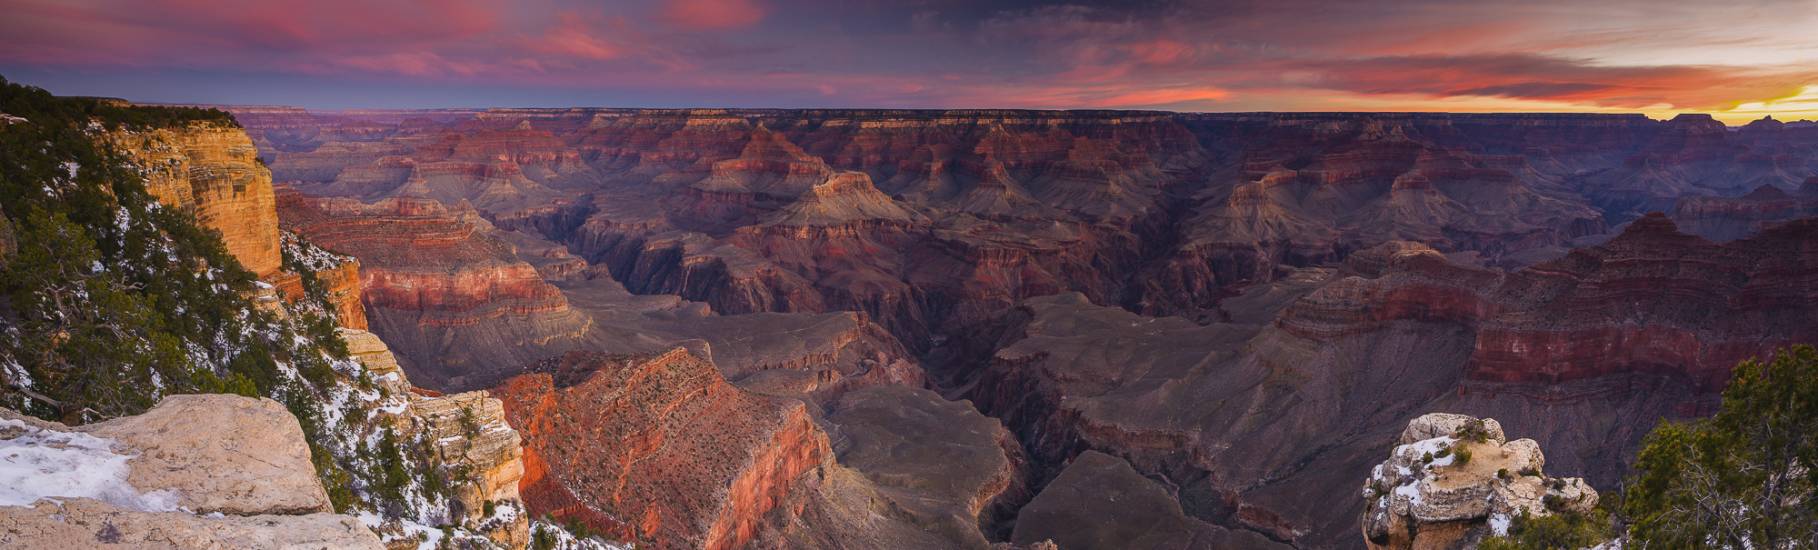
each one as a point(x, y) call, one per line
point(482, 452)
point(1453, 480)
point(213, 171)
point(196, 471)
point(220, 453)
point(478, 453)
point(659, 449)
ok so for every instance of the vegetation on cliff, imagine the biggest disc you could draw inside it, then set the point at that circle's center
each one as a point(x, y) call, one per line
point(1744, 478)
point(110, 301)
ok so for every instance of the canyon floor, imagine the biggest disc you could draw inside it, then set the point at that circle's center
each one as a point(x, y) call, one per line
point(862, 328)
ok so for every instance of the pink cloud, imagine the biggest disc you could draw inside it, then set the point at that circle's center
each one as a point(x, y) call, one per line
point(574, 36)
point(712, 14)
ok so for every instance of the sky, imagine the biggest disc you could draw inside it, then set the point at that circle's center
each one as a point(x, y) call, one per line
point(1736, 59)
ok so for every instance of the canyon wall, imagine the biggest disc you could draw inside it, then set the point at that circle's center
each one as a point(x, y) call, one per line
point(1224, 317)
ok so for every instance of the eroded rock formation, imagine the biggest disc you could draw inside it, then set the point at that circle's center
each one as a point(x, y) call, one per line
point(1453, 480)
point(659, 449)
point(662, 450)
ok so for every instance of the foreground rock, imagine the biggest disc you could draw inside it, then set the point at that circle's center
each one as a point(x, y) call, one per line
point(197, 471)
point(1455, 479)
point(222, 453)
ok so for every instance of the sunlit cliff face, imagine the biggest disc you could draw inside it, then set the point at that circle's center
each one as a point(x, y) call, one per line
point(1738, 60)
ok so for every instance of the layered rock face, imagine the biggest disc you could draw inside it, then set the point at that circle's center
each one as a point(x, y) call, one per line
point(464, 303)
point(196, 471)
point(480, 454)
point(213, 171)
point(1453, 480)
point(337, 275)
point(662, 450)
point(687, 460)
point(472, 437)
point(430, 277)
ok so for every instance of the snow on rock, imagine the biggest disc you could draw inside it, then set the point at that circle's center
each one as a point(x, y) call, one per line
point(196, 471)
point(39, 463)
point(1456, 479)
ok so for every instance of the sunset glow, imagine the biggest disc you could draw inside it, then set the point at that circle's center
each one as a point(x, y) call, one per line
point(1737, 60)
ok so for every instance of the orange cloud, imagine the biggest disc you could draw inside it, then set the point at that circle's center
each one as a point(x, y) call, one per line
point(1161, 97)
point(1541, 77)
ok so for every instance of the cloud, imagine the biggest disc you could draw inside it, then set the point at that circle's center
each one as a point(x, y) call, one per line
point(1542, 77)
point(712, 14)
point(576, 36)
point(1182, 54)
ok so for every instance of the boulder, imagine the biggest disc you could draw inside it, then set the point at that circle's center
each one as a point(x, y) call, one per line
point(222, 453)
point(196, 471)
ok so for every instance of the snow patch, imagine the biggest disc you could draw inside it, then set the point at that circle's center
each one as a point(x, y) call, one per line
point(38, 464)
point(1499, 524)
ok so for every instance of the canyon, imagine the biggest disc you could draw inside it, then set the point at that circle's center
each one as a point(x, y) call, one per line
point(832, 328)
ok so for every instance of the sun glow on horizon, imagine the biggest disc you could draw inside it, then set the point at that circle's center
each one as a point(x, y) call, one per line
point(1800, 106)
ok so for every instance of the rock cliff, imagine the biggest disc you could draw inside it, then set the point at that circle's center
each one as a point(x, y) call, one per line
point(214, 171)
point(197, 471)
point(659, 449)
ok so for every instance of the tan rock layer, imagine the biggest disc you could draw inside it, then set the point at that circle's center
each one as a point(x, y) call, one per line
point(214, 172)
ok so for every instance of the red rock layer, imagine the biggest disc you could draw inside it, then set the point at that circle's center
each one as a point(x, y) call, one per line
point(342, 284)
point(659, 448)
point(422, 257)
point(1652, 300)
